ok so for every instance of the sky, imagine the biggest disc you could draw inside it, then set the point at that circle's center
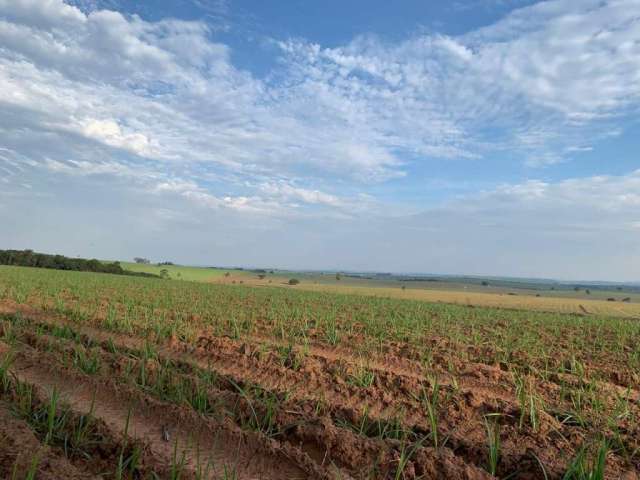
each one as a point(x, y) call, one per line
point(479, 137)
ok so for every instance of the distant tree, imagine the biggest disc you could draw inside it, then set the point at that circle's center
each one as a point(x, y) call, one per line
point(485, 283)
point(404, 287)
point(93, 265)
point(29, 258)
point(338, 276)
point(164, 273)
point(577, 289)
point(143, 261)
point(294, 281)
point(587, 291)
point(261, 276)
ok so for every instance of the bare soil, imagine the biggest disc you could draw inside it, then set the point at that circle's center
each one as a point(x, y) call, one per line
point(325, 424)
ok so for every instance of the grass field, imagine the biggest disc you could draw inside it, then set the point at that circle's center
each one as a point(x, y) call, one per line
point(126, 377)
point(177, 272)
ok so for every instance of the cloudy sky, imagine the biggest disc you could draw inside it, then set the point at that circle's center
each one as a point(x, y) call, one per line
point(491, 137)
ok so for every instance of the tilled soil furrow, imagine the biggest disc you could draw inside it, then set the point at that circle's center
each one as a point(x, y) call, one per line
point(311, 435)
point(22, 452)
point(359, 454)
point(480, 391)
point(405, 359)
point(319, 437)
point(397, 374)
point(164, 431)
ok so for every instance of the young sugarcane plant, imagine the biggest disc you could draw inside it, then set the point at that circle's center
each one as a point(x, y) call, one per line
point(492, 426)
point(431, 403)
point(121, 460)
point(405, 456)
point(580, 469)
point(51, 415)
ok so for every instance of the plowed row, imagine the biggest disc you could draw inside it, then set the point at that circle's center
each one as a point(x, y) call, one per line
point(323, 426)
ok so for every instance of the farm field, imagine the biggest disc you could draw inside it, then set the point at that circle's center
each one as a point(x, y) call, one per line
point(522, 296)
point(547, 301)
point(177, 272)
point(124, 377)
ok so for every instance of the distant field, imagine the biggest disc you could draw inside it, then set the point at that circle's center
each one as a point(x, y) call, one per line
point(495, 300)
point(459, 294)
point(177, 272)
point(520, 288)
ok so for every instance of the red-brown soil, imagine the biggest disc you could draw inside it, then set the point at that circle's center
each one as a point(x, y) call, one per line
point(327, 423)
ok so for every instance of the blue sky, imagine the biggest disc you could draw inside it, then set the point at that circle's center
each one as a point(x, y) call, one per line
point(495, 137)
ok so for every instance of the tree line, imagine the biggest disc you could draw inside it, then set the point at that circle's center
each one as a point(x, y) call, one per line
point(29, 258)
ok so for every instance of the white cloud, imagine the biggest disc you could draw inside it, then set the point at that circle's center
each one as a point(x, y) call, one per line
point(84, 168)
point(538, 80)
point(275, 199)
point(583, 62)
point(287, 191)
point(455, 48)
point(164, 90)
point(45, 14)
point(109, 132)
point(202, 198)
point(603, 194)
point(541, 81)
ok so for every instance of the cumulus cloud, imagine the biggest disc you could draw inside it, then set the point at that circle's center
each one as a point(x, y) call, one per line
point(109, 132)
point(582, 62)
point(287, 191)
point(540, 80)
point(164, 90)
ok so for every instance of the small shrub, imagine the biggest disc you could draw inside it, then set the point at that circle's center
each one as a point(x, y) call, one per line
point(294, 281)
